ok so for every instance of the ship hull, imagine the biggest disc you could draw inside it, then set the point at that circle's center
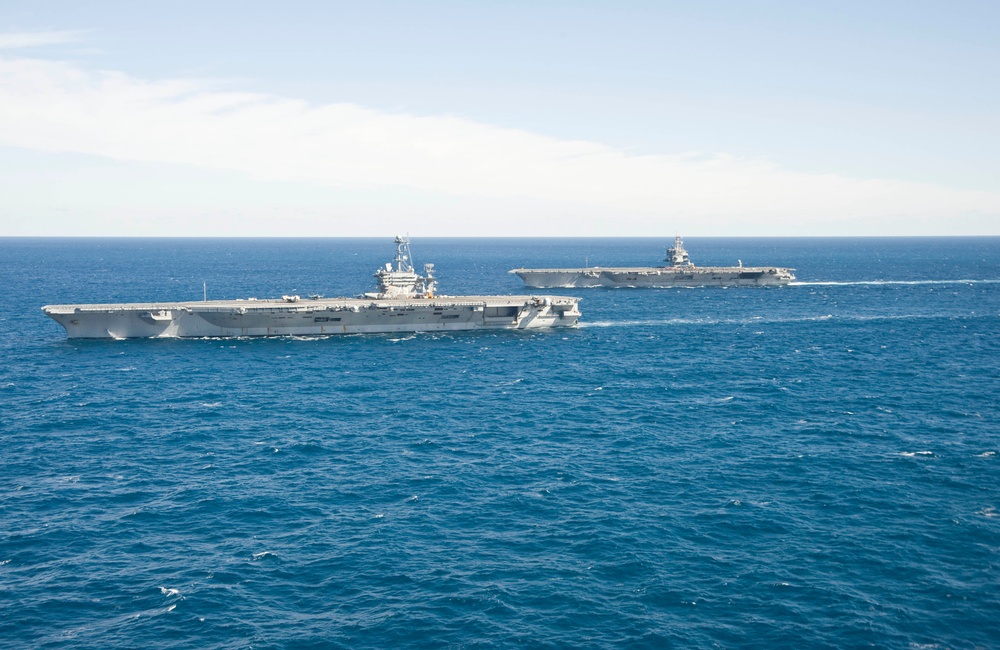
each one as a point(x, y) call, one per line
point(655, 277)
point(312, 317)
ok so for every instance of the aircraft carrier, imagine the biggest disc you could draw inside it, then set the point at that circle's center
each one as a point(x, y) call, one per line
point(680, 273)
point(404, 302)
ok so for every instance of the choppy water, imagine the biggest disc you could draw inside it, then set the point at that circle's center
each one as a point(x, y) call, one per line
point(809, 466)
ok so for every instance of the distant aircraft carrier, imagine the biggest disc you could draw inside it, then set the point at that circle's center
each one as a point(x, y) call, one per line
point(404, 302)
point(680, 273)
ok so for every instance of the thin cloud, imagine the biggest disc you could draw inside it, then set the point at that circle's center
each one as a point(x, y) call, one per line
point(60, 107)
point(38, 39)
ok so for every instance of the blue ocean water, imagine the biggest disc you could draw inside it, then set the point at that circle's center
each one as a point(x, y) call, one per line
point(807, 466)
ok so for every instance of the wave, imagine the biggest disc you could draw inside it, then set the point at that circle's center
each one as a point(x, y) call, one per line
point(264, 554)
point(761, 320)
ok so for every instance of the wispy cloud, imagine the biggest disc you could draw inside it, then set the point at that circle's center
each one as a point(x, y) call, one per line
point(12, 41)
point(60, 107)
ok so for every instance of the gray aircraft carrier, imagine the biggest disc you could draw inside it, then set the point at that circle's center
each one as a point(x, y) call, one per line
point(404, 302)
point(680, 273)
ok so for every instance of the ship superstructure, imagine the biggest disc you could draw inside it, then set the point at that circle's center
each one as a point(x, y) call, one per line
point(399, 280)
point(680, 272)
point(405, 302)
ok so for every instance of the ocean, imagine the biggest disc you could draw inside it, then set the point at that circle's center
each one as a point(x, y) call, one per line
point(811, 466)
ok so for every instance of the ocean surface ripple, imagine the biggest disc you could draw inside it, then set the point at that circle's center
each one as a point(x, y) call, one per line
point(807, 466)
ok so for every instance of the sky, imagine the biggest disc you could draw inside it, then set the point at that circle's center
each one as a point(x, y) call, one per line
point(569, 119)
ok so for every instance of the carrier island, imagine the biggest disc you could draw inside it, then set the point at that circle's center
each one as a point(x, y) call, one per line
point(681, 272)
point(404, 302)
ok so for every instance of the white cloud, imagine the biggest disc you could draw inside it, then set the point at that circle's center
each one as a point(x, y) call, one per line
point(38, 39)
point(555, 184)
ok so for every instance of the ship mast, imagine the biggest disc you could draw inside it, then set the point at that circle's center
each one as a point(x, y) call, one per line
point(403, 260)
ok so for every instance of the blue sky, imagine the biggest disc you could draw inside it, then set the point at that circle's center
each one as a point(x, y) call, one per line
point(540, 118)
